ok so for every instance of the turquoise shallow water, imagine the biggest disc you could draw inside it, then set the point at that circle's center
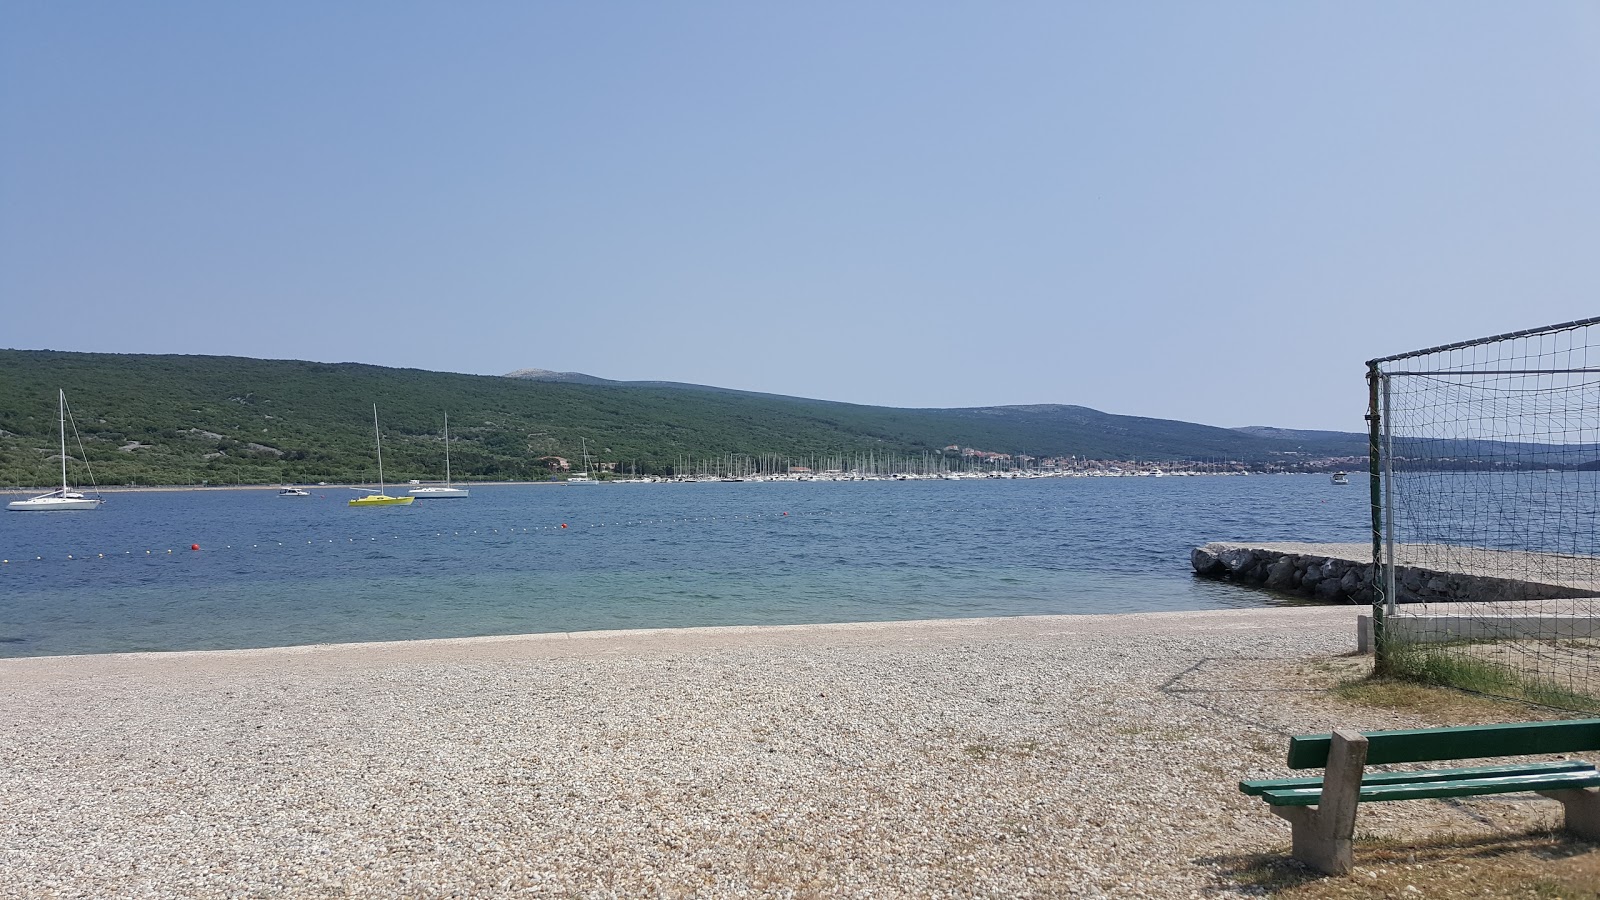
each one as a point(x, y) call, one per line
point(275, 571)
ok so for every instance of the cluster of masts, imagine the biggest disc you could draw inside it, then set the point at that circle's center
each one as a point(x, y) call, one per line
point(902, 467)
point(873, 466)
point(838, 475)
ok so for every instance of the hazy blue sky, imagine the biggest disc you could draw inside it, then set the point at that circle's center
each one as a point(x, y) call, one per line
point(1203, 211)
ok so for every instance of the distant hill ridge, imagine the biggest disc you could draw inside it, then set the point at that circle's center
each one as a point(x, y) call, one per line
point(1082, 413)
point(546, 375)
point(187, 419)
point(1292, 434)
point(559, 377)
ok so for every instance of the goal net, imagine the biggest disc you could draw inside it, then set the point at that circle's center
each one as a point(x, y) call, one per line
point(1486, 464)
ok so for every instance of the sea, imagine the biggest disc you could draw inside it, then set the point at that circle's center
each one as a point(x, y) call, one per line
point(220, 569)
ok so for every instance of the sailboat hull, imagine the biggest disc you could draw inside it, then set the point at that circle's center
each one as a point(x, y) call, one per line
point(381, 500)
point(47, 504)
point(438, 493)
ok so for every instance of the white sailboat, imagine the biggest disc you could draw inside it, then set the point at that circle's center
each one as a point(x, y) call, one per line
point(446, 492)
point(379, 498)
point(66, 497)
point(583, 478)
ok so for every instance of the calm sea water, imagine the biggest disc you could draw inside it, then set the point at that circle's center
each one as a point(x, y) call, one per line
point(277, 571)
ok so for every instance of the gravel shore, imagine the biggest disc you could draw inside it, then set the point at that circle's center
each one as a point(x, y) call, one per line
point(1039, 756)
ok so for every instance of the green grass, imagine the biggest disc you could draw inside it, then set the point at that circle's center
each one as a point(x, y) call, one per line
point(1436, 664)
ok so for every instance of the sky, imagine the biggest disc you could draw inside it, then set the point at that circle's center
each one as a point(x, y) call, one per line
point(1213, 212)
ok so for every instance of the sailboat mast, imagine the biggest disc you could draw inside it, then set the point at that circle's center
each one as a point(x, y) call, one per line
point(446, 449)
point(379, 439)
point(61, 409)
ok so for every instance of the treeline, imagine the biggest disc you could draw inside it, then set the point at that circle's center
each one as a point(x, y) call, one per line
point(150, 419)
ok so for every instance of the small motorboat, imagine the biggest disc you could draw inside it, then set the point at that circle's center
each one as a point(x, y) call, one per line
point(293, 492)
point(1340, 478)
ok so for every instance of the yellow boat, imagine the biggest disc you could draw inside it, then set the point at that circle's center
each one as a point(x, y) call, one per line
point(379, 498)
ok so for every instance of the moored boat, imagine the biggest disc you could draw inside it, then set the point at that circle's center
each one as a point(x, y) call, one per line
point(438, 493)
point(583, 477)
point(447, 490)
point(64, 497)
point(379, 498)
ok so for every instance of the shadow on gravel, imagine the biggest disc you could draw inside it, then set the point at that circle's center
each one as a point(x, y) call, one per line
point(1212, 684)
point(1539, 864)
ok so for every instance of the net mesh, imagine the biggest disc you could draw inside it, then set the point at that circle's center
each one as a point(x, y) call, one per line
point(1490, 460)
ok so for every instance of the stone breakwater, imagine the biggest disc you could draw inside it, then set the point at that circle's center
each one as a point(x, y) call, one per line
point(1338, 573)
point(1328, 578)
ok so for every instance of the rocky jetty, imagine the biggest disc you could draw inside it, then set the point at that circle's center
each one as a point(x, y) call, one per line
point(1329, 578)
point(1342, 573)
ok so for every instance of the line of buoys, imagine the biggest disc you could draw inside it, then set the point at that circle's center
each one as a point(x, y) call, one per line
point(564, 526)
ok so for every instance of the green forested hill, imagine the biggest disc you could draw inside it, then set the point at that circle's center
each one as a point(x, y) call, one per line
point(185, 419)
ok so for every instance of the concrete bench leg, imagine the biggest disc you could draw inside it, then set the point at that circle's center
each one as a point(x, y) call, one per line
point(1322, 836)
point(1582, 810)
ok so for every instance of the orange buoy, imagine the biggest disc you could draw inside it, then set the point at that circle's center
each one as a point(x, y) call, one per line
point(194, 546)
point(563, 524)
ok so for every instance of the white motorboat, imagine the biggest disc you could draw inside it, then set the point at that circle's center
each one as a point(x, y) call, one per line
point(293, 492)
point(1340, 478)
point(65, 497)
point(447, 491)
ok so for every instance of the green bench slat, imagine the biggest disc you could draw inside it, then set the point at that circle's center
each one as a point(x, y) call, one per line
point(1256, 788)
point(1462, 787)
point(1467, 742)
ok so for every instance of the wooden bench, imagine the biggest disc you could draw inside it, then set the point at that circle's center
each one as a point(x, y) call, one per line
point(1322, 810)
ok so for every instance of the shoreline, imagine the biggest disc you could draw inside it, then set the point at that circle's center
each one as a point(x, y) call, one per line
point(700, 635)
point(730, 633)
point(143, 488)
point(966, 757)
point(186, 488)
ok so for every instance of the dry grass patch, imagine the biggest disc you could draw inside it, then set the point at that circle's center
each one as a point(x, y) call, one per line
point(1436, 705)
point(1546, 865)
point(1350, 678)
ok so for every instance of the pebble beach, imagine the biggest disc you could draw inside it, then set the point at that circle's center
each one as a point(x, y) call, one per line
point(1041, 756)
